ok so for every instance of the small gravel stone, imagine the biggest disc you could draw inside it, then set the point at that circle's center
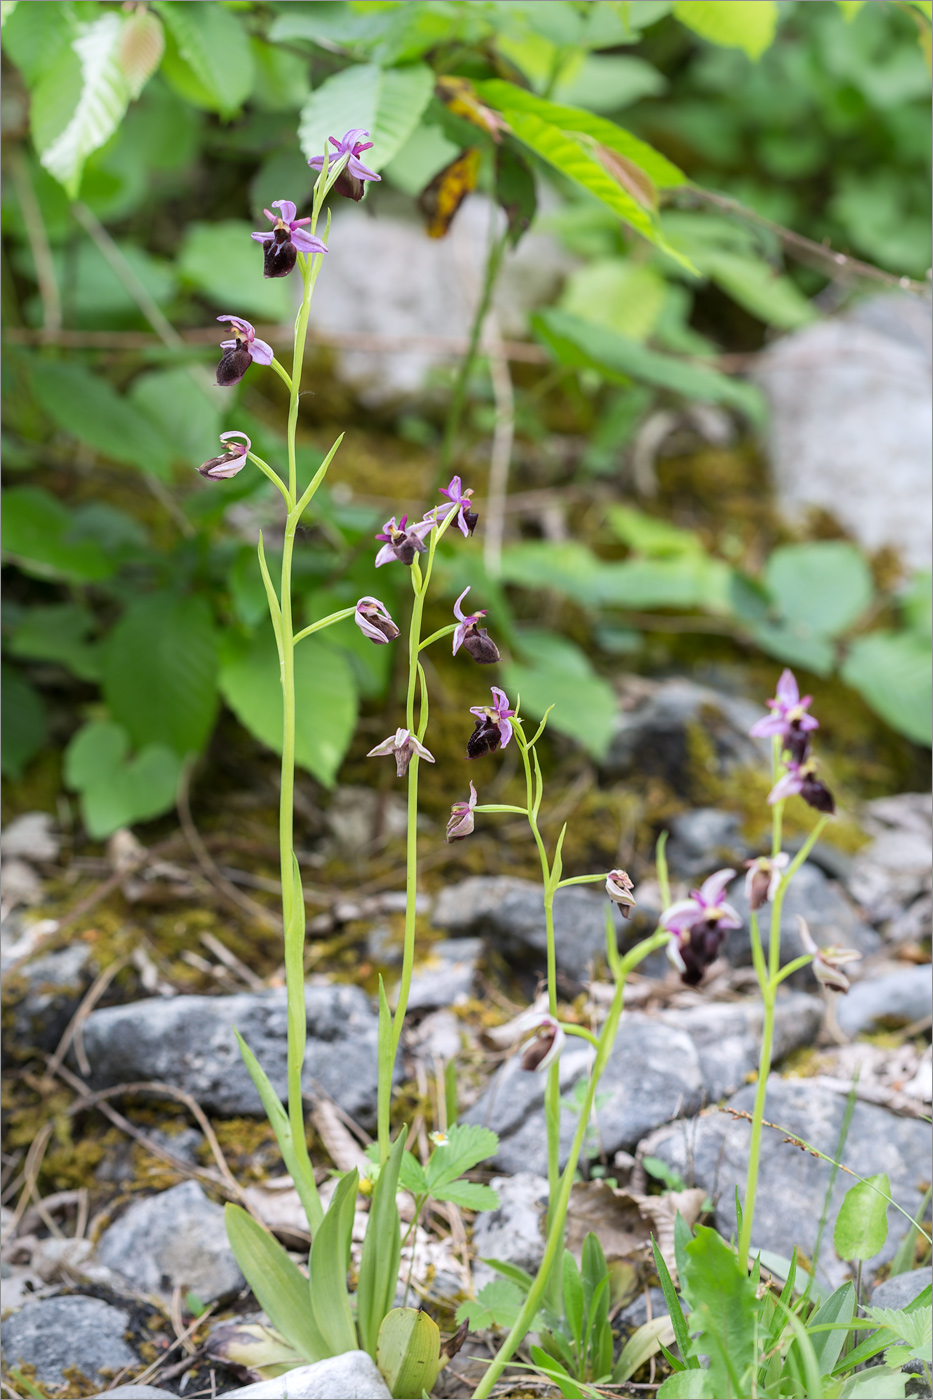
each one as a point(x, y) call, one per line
point(511, 1232)
point(53, 1333)
point(704, 839)
point(51, 986)
point(174, 1239)
point(447, 975)
point(135, 1392)
point(898, 999)
point(350, 1376)
point(902, 1289)
point(635, 1314)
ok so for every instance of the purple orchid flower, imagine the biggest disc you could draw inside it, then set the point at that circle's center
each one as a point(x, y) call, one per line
point(619, 888)
point(460, 822)
point(545, 1045)
point(351, 180)
point(283, 242)
point(827, 962)
point(491, 728)
point(461, 502)
point(403, 746)
point(764, 875)
point(241, 351)
point(402, 543)
point(800, 780)
point(230, 462)
point(373, 620)
point(788, 717)
point(476, 639)
point(698, 927)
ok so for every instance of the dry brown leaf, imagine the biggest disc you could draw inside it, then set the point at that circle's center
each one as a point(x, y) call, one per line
point(278, 1205)
point(629, 175)
point(615, 1218)
point(661, 1212)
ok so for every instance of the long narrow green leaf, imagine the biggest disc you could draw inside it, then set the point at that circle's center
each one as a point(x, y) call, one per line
point(838, 1308)
point(279, 1285)
point(672, 1299)
point(573, 1298)
point(640, 1347)
point(382, 1246)
point(296, 1165)
point(330, 1260)
point(275, 610)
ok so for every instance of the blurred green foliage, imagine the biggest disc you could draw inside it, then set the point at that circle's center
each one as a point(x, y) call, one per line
point(140, 146)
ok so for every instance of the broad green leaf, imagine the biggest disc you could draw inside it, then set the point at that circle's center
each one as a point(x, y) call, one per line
point(38, 532)
point(650, 534)
point(117, 790)
point(891, 671)
point(850, 8)
point(608, 82)
point(58, 632)
point(215, 46)
point(142, 45)
point(795, 643)
point(467, 1145)
point(770, 295)
point(553, 671)
point(330, 1260)
point(862, 1223)
point(498, 1304)
point(387, 103)
point(160, 672)
point(23, 728)
point(409, 1352)
point(105, 96)
point(326, 698)
point(877, 1383)
point(281, 80)
point(184, 409)
point(472, 1195)
point(914, 1329)
point(825, 585)
point(839, 1309)
point(280, 1287)
point(723, 1309)
point(916, 603)
point(379, 1265)
point(222, 262)
point(626, 297)
point(568, 567)
point(34, 38)
point(93, 288)
point(88, 408)
point(736, 24)
point(621, 359)
point(658, 168)
point(641, 1346)
point(684, 1385)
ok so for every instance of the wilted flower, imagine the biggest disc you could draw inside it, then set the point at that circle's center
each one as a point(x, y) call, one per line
point(229, 462)
point(401, 543)
point(283, 242)
point(827, 961)
point(800, 779)
point(373, 620)
point(460, 822)
point(619, 889)
point(350, 182)
point(491, 729)
point(545, 1045)
point(698, 926)
point(404, 746)
point(763, 878)
point(476, 639)
point(788, 717)
point(460, 501)
point(240, 352)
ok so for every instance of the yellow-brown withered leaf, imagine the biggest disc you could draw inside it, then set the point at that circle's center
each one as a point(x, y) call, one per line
point(441, 199)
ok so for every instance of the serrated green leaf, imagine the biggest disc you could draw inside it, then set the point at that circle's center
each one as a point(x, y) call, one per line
point(38, 532)
point(862, 1223)
point(215, 46)
point(737, 24)
point(142, 45)
point(160, 672)
point(467, 1145)
point(498, 1304)
point(105, 96)
point(722, 1309)
point(330, 1260)
point(914, 1328)
point(279, 1285)
point(88, 408)
point(387, 103)
point(23, 727)
point(472, 1195)
point(326, 698)
point(891, 671)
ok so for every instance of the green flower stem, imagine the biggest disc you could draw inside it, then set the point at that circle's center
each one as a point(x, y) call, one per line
point(570, 1029)
point(792, 967)
point(273, 476)
point(436, 636)
point(323, 622)
point(501, 807)
point(282, 372)
point(558, 1216)
point(581, 880)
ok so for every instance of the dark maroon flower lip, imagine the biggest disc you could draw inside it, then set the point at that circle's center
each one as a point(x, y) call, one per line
point(230, 462)
point(491, 729)
point(285, 240)
point(471, 636)
point(240, 352)
point(373, 620)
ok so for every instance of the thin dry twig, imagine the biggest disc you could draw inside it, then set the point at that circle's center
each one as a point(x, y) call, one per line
point(34, 1156)
point(40, 247)
point(235, 964)
point(344, 1150)
point(182, 1336)
point(86, 1005)
point(502, 440)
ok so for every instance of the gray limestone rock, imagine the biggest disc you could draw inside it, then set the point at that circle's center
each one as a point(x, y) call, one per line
point(351, 1376)
point(712, 1152)
point(896, 999)
point(512, 1232)
point(902, 1289)
point(174, 1239)
point(189, 1042)
point(702, 840)
point(446, 975)
point(849, 428)
point(653, 1074)
point(53, 1333)
point(44, 995)
point(135, 1392)
point(509, 914)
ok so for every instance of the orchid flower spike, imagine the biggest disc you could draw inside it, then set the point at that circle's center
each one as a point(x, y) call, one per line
point(827, 961)
point(230, 462)
point(285, 240)
point(401, 543)
point(788, 718)
point(698, 927)
point(240, 352)
point(351, 181)
point(545, 1045)
point(619, 889)
point(373, 620)
point(491, 729)
point(460, 821)
point(476, 639)
point(461, 502)
point(764, 876)
point(800, 780)
point(403, 746)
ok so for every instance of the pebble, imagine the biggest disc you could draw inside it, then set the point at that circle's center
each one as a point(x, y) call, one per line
point(31, 836)
point(351, 1376)
point(54, 1333)
point(712, 1152)
point(898, 999)
point(44, 995)
point(513, 1231)
point(446, 977)
point(135, 1392)
point(188, 1042)
point(174, 1239)
point(704, 839)
point(902, 1289)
